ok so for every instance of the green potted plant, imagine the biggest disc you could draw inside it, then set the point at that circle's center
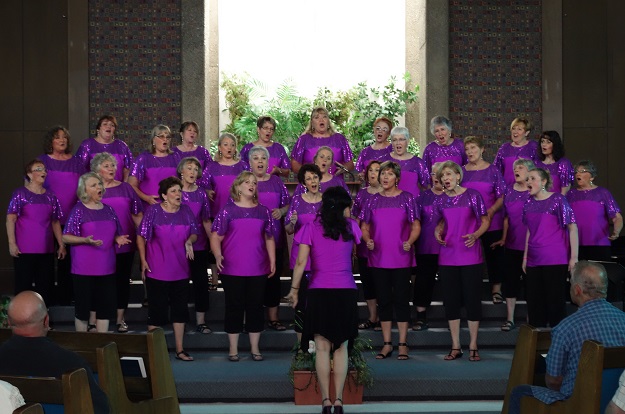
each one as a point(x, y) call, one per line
point(303, 376)
point(4, 318)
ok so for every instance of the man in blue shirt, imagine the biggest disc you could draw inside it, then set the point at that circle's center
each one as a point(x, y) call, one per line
point(595, 319)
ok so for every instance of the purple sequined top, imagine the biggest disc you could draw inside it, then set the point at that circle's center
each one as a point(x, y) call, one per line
point(273, 194)
point(435, 152)
point(306, 147)
point(306, 213)
point(243, 247)
point(368, 154)
point(323, 185)
point(414, 174)
point(508, 154)
point(126, 203)
point(198, 202)
point(426, 243)
point(165, 236)
point(390, 220)
point(219, 179)
point(513, 203)
point(331, 260)
point(150, 170)
point(562, 173)
point(547, 222)
point(462, 215)
point(360, 203)
point(89, 148)
point(201, 154)
point(62, 180)
point(277, 156)
point(35, 214)
point(491, 187)
point(102, 224)
point(593, 210)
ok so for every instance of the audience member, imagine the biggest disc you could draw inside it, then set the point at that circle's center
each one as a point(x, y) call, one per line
point(617, 405)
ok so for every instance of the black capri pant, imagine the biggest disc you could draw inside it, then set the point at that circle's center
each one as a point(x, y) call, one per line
point(95, 293)
point(546, 294)
point(494, 258)
point(392, 287)
point(164, 296)
point(368, 284)
point(462, 286)
point(514, 272)
point(427, 267)
point(244, 300)
point(37, 268)
point(123, 272)
point(273, 291)
point(199, 276)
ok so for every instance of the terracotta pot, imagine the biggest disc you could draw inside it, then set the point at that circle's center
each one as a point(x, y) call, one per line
point(307, 391)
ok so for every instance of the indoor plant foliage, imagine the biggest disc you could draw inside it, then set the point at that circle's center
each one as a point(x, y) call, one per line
point(4, 304)
point(352, 112)
point(305, 361)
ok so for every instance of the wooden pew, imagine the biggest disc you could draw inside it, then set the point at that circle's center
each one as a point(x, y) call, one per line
point(29, 408)
point(112, 382)
point(151, 346)
point(71, 391)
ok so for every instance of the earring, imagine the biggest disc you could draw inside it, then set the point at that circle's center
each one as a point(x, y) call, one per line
point(305, 190)
point(239, 192)
point(396, 183)
point(219, 152)
point(543, 188)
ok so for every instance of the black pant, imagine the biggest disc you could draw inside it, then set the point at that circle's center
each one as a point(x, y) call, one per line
point(427, 267)
point(123, 273)
point(600, 253)
point(199, 276)
point(494, 258)
point(366, 278)
point(37, 268)
point(546, 294)
point(273, 291)
point(392, 287)
point(244, 300)
point(462, 285)
point(513, 274)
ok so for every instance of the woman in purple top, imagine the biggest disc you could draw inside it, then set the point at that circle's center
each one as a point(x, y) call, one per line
point(189, 133)
point(223, 171)
point(415, 175)
point(92, 230)
point(105, 141)
point(379, 149)
point(462, 219)
point(444, 147)
point(63, 172)
point(302, 210)
point(520, 147)
point(513, 237)
point(165, 242)
point(190, 172)
point(331, 310)
point(278, 163)
point(33, 222)
point(129, 210)
point(361, 202)
point(244, 227)
point(324, 160)
point(551, 250)
point(390, 226)
point(551, 158)
point(320, 133)
point(272, 194)
point(486, 179)
point(153, 166)
point(595, 210)
point(426, 249)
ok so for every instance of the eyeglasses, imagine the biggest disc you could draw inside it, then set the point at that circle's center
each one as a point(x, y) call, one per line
point(164, 136)
point(398, 139)
point(270, 129)
point(581, 171)
point(38, 169)
point(383, 129)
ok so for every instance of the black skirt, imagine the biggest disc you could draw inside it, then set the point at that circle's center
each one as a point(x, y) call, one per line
point(331, 313)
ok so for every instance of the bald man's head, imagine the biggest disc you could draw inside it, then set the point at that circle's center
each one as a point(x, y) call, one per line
point(27, 314)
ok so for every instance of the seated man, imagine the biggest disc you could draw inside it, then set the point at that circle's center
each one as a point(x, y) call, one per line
point(595, 319)
point(617, 405)
point(29, 352)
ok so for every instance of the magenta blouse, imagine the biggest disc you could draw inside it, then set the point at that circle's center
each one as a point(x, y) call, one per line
point(150, 170)
point(414, 174)
point(243, 247)
point(306, 147)
point(547, 222)
point(198, 202)
point(331, 260)
point(361, 203)
point(102, 224)
point(35, 214)
point(277, 156)
point(513, 203)
point(62, 180)
point(390, 220)
point(333, 182)
point(306, 213)
point(203, 157)
point(426, 243)
point(435, 152)
point(489, 183)
point(126, 203)
point(89, 148)
point(593, 210)
point(165, 236)
point(562, 173)
point(369, 154)
point(508, 154)
point(273, 194)
point(219, 179)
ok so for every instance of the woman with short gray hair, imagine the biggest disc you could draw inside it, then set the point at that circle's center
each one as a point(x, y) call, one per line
point(414, 172)
point(444, 147)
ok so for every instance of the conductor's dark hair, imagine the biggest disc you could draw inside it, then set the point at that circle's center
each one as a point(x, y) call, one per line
point(333, 204)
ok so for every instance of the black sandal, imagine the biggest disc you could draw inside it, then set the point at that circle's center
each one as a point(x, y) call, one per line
point(388, 354)
point(91, 328)
point(508, 326)
point(276, 325)
point(338, 409)
point(203, 329)
point(451, 356)
point(366, 325)
point(326, 409)
point(497, 298)
point(474, 355)
point(420, 326)
point(402, 357)
point(184, 356)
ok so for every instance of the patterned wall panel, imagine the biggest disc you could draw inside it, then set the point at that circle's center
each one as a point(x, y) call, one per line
point(495, 67)
point(135, 66)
